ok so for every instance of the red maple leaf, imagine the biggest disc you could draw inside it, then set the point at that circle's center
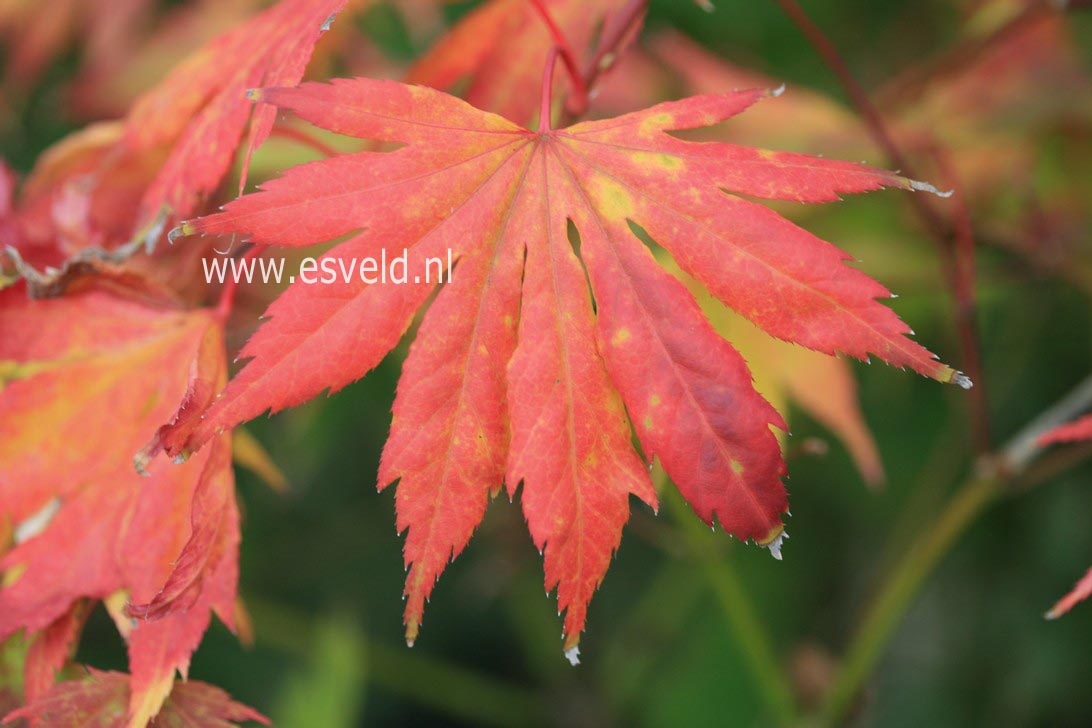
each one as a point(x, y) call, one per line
point(1076, 431)
point(101, 699)
point(109, 186)
point(76, 402)
point(514, 377)
point(201, 109)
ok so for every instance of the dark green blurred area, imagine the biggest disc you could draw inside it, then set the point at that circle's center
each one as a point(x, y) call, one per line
point(321, 566)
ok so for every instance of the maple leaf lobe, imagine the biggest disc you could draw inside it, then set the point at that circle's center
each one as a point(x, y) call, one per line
point(552, 379)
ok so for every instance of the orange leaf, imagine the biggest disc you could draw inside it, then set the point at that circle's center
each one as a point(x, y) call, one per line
point(513, 375)
point(100, 699)
point(76, 403)
point(201, 109)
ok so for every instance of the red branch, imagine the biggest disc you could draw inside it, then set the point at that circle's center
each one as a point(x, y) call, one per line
point(568, 57)
point(227, 293)
point(300, 137)
point(963, 281)
point(615, 32)
point(941, 230)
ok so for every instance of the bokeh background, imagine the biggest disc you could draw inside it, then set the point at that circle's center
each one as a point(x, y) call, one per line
point(321, 567)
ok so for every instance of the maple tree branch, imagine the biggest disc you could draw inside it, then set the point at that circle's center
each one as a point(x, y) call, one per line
point(898, 591)
point(908, 86)
point(546, 110)
point(942, 232)
point(962, 282)
point(1053, 464)
point(994, 477)
point(1023, 448)
point(568, 57)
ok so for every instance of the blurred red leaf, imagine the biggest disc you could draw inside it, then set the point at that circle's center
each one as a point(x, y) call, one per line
point(81, 400)
point(100, 700)
point(200, 110)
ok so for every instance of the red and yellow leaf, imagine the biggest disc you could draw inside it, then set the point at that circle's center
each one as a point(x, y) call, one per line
point(76, 402)
point(513, 375)
point(200, 111)
point(1080, 592)
point(51, 648)
point(100, 700)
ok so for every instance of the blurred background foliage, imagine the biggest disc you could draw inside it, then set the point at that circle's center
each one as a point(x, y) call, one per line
point(321, 566)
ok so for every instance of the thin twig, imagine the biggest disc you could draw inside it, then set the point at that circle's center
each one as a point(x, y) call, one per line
point(231, 285)
point(1024, 446)
point(992, 480)
point(907, 87)
point(963, 283)
point(300, 137)
point(939, 228)
point(568, 57)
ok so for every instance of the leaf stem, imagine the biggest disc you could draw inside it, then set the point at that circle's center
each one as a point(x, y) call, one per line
point(994, 477)
point(568, 57)
point(231, 285)
point(953, 252)
point(300, 137)
point(547, 109)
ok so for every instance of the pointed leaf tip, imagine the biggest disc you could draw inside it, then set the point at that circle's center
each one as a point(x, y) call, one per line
point(775, 545)
point(181, 231)
point(926, 187)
